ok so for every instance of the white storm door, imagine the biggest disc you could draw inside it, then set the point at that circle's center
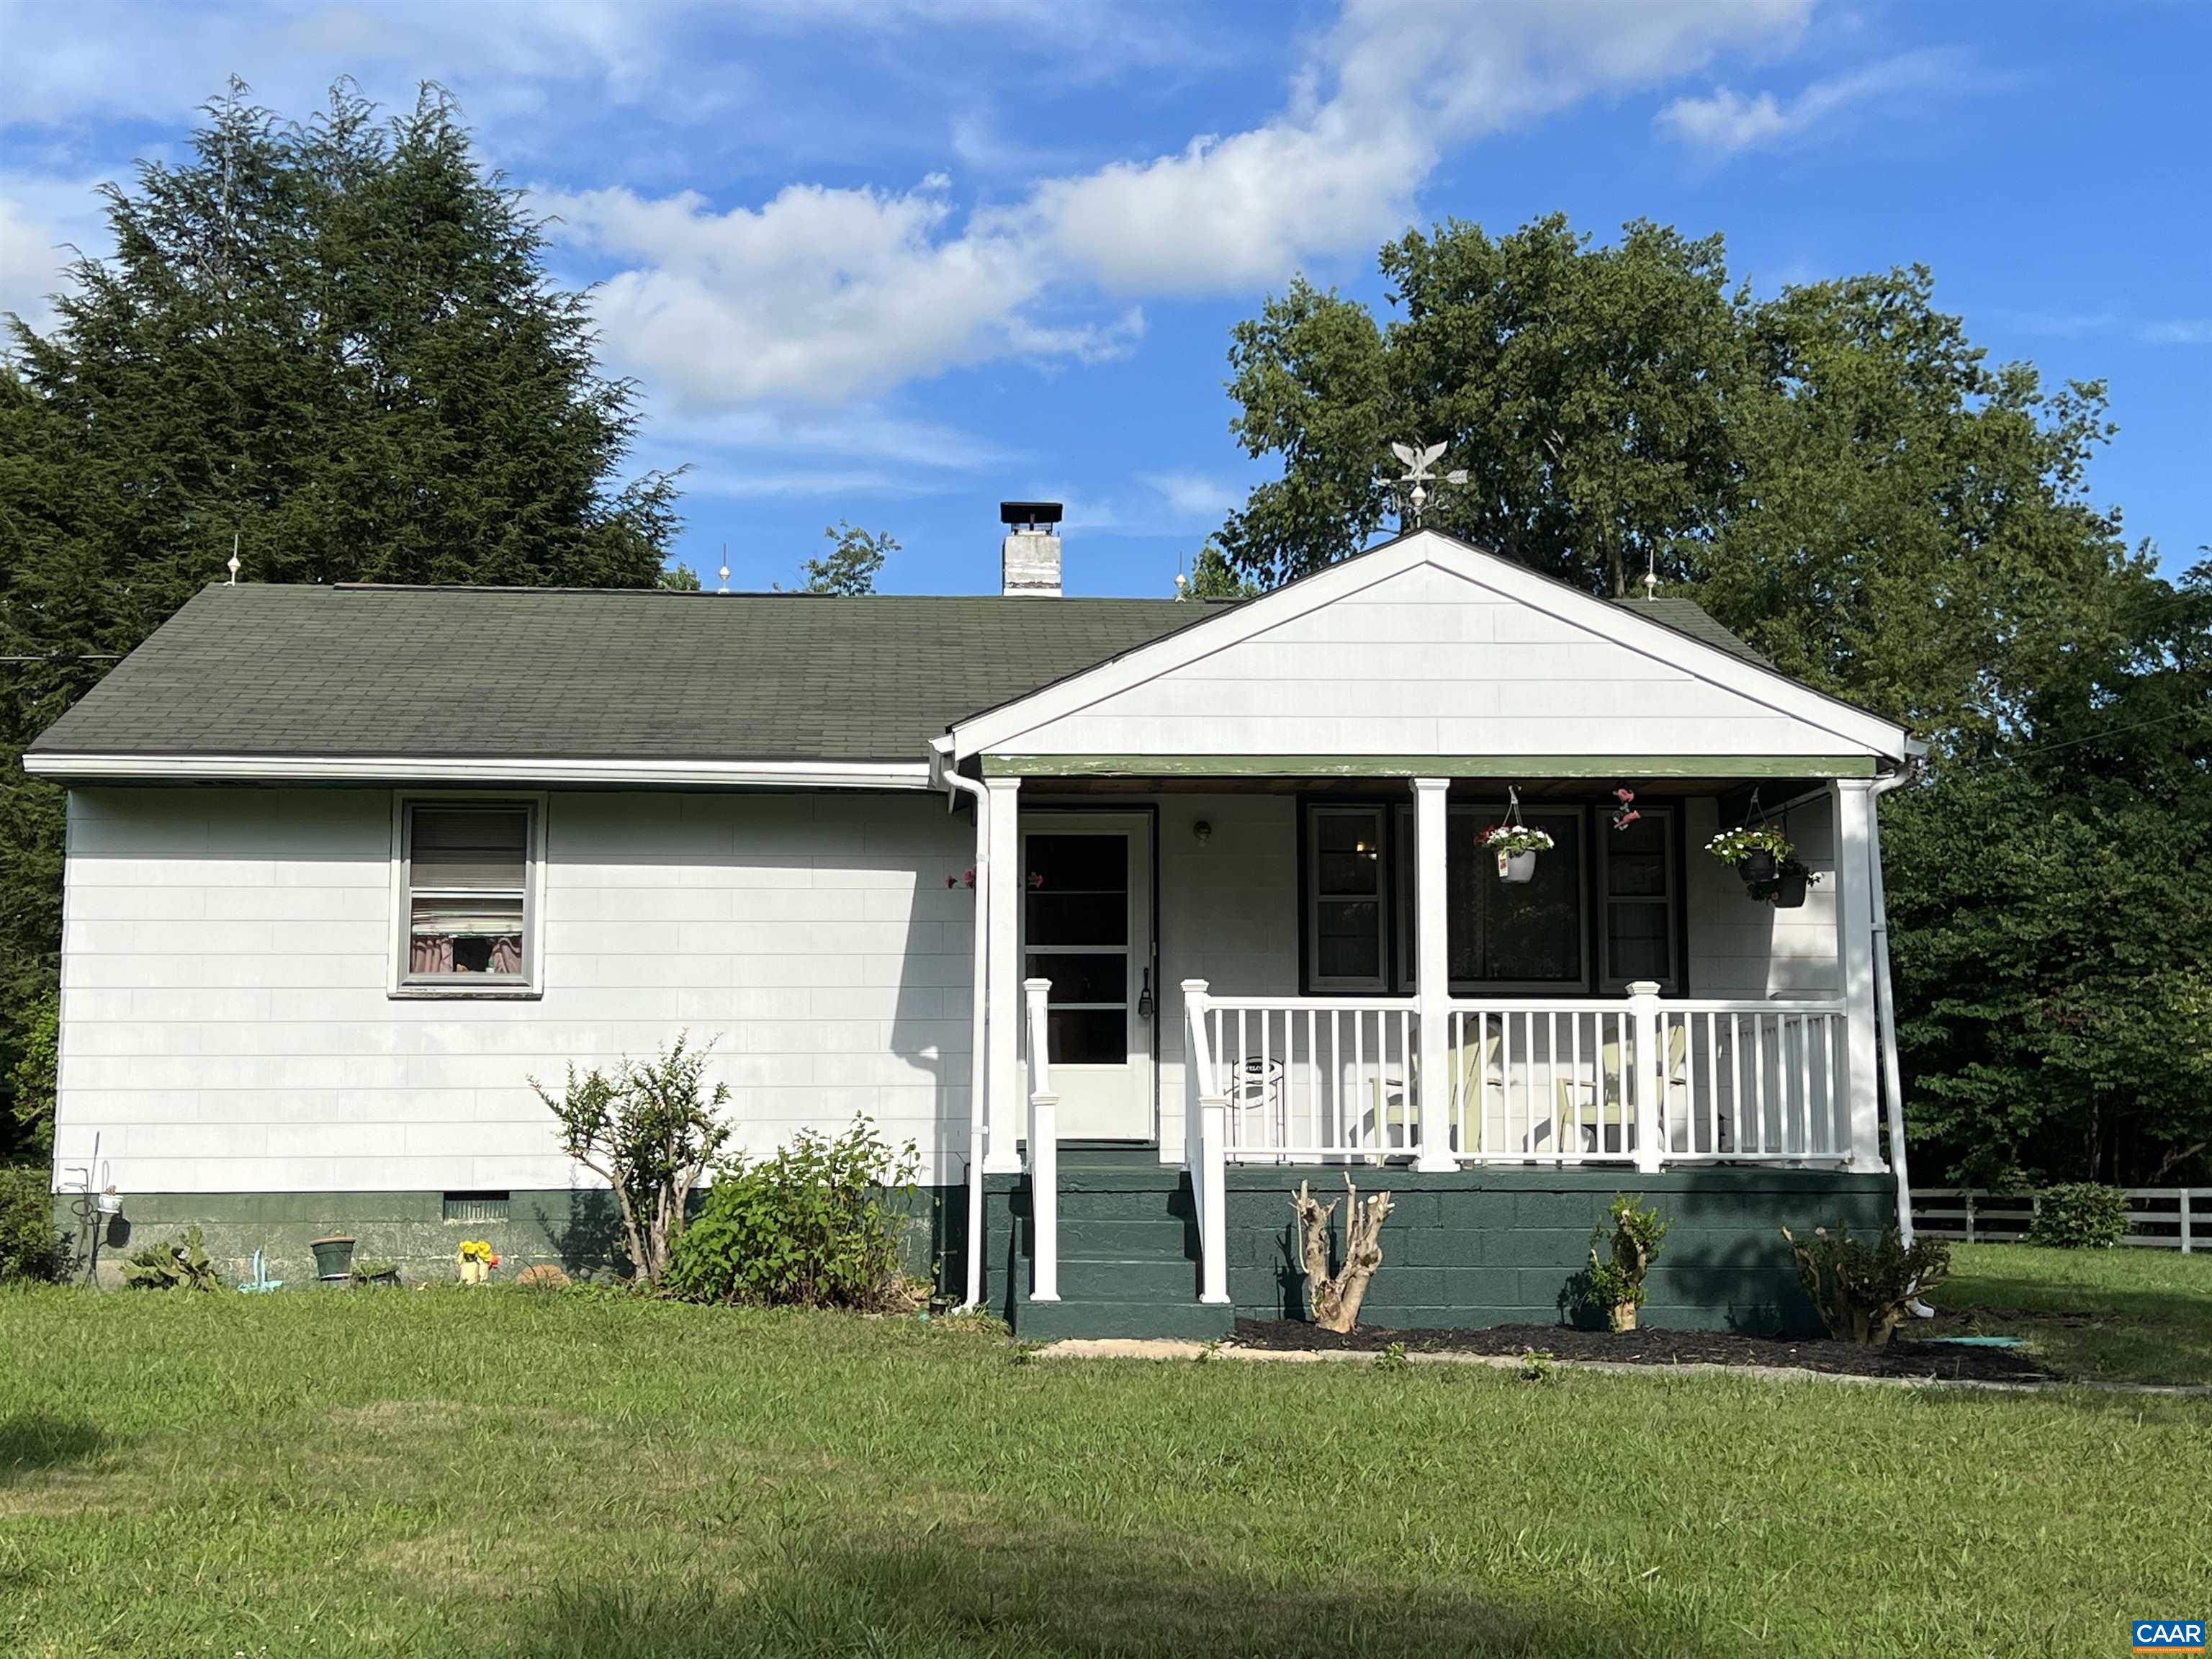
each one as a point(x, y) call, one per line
point(1087, 927)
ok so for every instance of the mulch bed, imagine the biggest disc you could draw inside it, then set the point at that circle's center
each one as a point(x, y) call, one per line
point(1902, 1358)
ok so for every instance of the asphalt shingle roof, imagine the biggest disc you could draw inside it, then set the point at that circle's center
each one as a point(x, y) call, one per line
point(531, 673)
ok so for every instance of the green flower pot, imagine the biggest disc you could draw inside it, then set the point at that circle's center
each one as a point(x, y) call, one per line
point(333, 1257)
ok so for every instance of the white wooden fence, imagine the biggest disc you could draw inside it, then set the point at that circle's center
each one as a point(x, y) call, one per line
point(2161, 1217)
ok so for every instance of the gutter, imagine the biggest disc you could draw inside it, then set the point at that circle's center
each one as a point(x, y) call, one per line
point(349, 768)
point(942, 771)
point(1885, 997)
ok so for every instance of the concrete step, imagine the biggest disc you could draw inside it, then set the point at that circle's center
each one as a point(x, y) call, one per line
point(1186, 1321)
point(1123, 1240)
point(1152, 1279)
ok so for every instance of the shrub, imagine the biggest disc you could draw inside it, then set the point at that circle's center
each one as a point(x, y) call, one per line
point(2081, 1216)
point(30, 1245)
point(813, 1225)
point(650, 1135)
point(182, 1264)
point(542, 1276)
point(1861, 1291)
point(1613, 1283)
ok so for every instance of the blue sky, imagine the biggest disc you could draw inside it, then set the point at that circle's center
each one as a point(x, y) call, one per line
point(892, 260)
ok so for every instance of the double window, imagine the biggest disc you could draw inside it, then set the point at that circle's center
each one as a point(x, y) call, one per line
point(1602, 908)
point(467, 891)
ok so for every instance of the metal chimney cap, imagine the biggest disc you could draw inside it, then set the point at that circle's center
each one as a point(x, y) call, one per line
point(1029, 513)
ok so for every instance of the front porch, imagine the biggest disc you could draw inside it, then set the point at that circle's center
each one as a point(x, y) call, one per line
point(1503, 1117)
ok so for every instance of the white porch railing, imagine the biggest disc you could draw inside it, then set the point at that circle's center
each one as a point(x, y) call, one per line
point(1629, 1079)
point(1589, 1080)
point(1044, 1153)
point(1307, 1079)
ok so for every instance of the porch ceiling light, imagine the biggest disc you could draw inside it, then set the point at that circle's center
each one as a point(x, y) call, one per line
point(1201, 832)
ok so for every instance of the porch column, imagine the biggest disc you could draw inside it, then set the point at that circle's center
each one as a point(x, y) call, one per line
point(1433, 970)
point(1854, 805)
point(1006, 1105)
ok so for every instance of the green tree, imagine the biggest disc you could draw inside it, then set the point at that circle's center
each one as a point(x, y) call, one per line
point(1584, 389)
point(1838, 474)
point(1213, 577)
point(334, 342)
point(679, 579)
point(855, 558)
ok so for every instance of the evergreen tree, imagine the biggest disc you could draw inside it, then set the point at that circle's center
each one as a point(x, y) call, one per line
point(334, 342)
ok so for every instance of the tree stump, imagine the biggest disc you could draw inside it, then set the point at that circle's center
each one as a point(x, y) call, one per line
point(1333, 1299)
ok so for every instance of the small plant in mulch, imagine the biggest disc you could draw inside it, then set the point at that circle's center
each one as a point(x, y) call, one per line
point(1333, 1299)
point(1392, 1358)
point(1613, 1283)
point(1537, 1366)
point(1863, 1292)
point(182, 1264)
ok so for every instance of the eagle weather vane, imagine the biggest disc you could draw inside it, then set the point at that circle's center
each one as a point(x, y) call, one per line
point(1414, 487)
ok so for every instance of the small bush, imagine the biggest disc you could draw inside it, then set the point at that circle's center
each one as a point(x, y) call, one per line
point(650, 1131)
point(812, 1226)
point(1613, 1283)
point(30, 1245)
point(1863, 1292)
point(542, 1276)
point(2081, 1216)
point(182, 1264)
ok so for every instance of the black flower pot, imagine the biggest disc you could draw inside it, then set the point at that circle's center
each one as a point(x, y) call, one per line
point(1789, 892)
point(1757, 865)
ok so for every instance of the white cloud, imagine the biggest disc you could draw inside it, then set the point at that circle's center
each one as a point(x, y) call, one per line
point(1196, 497)
point(818, 295)
point(44, 223)
point(1377, 102)
point(1725, 122)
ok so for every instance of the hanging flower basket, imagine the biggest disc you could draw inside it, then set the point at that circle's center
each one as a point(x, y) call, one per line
point(1786, 888)
point(1516, 846)
point(1755, 850)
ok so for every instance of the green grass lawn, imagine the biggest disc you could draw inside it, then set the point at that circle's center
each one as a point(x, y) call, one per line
point(2121, 1316)
point(450, 1472)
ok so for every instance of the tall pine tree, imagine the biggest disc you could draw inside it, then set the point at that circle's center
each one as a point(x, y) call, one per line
point(335, 341)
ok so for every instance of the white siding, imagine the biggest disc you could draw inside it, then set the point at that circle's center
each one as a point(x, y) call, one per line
point(1428, 662)
point(1742, 948)
point(226, 1026)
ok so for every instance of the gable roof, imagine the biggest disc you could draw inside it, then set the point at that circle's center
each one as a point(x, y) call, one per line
point(246, 681)
point(1675, 632)
point(552, 674)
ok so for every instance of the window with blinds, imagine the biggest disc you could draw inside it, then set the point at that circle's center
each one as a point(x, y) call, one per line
point(467, 891)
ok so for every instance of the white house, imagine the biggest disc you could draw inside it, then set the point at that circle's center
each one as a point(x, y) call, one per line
point(347, 866)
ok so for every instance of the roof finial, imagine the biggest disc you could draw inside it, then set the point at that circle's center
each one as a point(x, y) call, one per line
point(724, 587)
point(1413, 488)
point(233, 567)
point(1650, 573)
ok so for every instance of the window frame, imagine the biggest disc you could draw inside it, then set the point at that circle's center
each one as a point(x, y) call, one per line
point(1670, 863)
point(1494, 811)
point(1311, 898)
point(404, 983)
point(1398, 976)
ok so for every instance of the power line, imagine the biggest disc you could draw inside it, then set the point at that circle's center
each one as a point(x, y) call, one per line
point(2110, 732)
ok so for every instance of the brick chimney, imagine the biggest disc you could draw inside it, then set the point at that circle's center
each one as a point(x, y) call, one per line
point(1030, 564)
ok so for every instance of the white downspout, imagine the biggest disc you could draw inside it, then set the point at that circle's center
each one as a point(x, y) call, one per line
point(949, 774)
point(1892, 1075)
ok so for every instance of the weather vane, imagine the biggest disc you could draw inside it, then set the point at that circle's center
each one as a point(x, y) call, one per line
point(1414, 487)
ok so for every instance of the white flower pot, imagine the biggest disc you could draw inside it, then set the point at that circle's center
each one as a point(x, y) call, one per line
point(1516, 868)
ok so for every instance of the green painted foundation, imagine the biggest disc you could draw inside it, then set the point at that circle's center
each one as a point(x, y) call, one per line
point(1462, 1249)
point(580, 1231)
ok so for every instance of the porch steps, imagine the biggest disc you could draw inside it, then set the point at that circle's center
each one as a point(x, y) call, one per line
point(1129, 1252)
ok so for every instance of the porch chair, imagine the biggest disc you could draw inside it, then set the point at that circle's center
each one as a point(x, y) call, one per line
point(1615, 1127)
point(1392, 1119)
